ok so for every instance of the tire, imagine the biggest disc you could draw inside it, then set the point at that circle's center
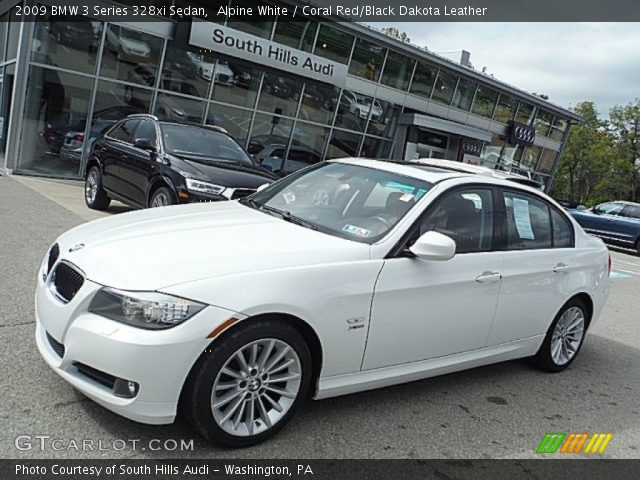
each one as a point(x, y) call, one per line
point(549, 358)
point(162, 197)
point(199, 397)
point(94, 195)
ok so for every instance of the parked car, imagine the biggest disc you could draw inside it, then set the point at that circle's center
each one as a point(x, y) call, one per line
point(270, 151)
point(127, 45)
point(232, 313)
point(145, 162)
point(176, 61)
point(69, 31)
point(75, 143)
point(361, 105)
point(568, 204)
point(220, 72)
point(617, 223)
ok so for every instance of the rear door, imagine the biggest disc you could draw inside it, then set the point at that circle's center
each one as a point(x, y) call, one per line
point(139, 165)
point(117, 148)
point(539, 259)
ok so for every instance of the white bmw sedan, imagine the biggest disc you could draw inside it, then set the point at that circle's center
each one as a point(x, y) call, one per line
point(346, 276)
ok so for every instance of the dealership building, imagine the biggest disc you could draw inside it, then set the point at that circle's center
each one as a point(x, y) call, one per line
point(292, 93)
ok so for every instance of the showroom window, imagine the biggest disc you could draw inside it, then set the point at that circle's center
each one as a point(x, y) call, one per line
point(280, 94)
point(491, 151)
point(307, 146)
point(423, 79)
point(176, 108)
point(270, 137)
point(542, 123)
point(525, 113)
point(299, 35)
point(13, 35)
point(67, 44)
point(343, 144)
point(194, 67)
point(125, 49)
point(558, 128)
point(375, 147)
point(397, 71)
point(528, 222)
point(466, 216)
point(445, 86)
point(115, 101)
point(547, 159)
point(54, 121)
point(234, 120)
point(253, 27)
point(319, 101)
point(484, 102)
point(511, 157)
point(367, 60)
point(333, 44)
point(354, 109)
point(505, 109)
point(463, 96)
point(7, 75)
point(235, 82)
point(383, 119)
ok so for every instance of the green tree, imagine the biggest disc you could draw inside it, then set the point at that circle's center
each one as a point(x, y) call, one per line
point(625, 124)
point(395, 33)
point(586, 159)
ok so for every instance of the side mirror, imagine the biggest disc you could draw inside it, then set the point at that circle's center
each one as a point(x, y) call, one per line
point(144, 144)
point(262, 187)
point(596, 210)
point(434, 246)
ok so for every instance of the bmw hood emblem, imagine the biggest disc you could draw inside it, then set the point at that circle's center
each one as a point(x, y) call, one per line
point(77, 247)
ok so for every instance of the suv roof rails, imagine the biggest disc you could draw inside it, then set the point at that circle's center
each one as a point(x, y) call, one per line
point(144, 115)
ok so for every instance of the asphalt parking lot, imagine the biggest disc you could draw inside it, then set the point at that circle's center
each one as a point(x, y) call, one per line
point(500, 411)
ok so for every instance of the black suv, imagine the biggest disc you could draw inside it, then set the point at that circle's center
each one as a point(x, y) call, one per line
point(145, 162)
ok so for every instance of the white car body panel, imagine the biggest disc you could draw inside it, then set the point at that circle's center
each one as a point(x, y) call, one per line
point(379, 321)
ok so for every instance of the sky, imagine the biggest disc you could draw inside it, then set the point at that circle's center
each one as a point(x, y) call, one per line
point(570, 62)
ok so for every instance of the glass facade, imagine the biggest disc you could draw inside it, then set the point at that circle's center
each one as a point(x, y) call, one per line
point(83, 77)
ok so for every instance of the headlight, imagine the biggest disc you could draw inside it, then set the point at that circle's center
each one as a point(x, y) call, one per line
point(150, 310)
point(194, 185)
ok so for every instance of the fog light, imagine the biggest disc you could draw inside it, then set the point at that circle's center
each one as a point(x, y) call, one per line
point(125, 388)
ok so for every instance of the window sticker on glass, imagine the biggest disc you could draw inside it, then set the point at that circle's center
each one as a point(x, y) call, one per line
point(522, 219)
point(407, 197)
point(355, 230)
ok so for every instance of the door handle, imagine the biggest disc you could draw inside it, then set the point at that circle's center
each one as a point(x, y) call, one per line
point(561, 267)
point(489, 277)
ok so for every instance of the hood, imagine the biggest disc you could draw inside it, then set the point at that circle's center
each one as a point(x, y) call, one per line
point(159, 247)
point(226, 174)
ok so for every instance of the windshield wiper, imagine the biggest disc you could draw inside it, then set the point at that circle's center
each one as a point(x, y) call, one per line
point(288, 216)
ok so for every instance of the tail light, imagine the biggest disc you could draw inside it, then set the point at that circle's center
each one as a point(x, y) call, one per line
point(79, 137)
point(609, 265)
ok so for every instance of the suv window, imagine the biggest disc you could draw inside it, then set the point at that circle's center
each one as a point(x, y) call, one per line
point(124, 131)
point(562, 230)
point(632, 211)
point(467, 217)
point(147, 129)
point(528, 222)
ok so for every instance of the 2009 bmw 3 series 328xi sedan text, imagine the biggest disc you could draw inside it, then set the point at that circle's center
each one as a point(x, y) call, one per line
point(346, 276)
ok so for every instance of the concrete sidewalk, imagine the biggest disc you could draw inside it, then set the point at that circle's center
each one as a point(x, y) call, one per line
point(69, 194)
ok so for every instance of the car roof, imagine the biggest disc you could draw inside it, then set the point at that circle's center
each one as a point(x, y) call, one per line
point(432, 174)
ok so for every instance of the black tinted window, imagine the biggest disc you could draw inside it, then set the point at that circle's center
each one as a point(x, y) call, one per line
point(199, 142)
point(528, 222)
point(124, 131)
point(465, 216)
point(147, 129)
point(562, 230)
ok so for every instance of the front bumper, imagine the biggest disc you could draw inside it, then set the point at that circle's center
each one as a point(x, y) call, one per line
point(159, 361)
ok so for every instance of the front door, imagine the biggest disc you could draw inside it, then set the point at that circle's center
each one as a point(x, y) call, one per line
point(139, 165)
point(426, 309)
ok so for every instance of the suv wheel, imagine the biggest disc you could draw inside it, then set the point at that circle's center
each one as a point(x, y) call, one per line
point(247, 387)
point(162, 197)
point(564, 338)
point(94, 195)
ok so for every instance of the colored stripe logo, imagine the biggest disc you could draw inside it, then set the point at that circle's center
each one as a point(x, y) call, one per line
point(595, 443)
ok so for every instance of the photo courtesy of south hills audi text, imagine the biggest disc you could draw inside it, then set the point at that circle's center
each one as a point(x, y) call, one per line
point(329, 239)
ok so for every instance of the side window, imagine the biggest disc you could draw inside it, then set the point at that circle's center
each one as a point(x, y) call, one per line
point(124, 131)
point(562, 230)
point(147, 129)
point(632, 211)
point(467, 217)
point(611, 208)
point(528, 222)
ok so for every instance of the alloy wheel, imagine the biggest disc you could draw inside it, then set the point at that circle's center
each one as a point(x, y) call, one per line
point(91, 186)
point(160, 200)
point(567, 336)
point(256, 387)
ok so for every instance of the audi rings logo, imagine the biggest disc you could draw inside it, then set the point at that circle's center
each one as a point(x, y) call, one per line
point(471, 148)
point(522, 134)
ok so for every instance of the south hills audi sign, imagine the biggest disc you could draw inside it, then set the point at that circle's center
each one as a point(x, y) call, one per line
point(227, 41)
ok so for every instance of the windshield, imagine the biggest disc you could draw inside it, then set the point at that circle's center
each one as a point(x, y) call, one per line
point(202, 144)
point(349, 201)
